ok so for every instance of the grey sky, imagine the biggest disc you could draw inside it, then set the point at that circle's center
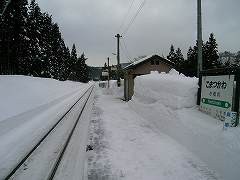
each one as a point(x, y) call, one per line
point(92, 24)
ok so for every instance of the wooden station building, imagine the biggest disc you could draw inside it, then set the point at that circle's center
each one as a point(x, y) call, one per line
point(141, 67)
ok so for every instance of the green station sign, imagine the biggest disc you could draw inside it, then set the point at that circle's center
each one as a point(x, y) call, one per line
point(217, 95)
point(218, 103)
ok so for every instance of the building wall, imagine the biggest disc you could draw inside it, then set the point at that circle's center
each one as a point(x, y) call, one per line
point(141, 69)
point(146, 68)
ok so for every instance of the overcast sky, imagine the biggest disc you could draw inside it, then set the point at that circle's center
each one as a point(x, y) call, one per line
point(92, 25)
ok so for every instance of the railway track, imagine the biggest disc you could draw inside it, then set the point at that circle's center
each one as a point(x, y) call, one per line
point(45, 158)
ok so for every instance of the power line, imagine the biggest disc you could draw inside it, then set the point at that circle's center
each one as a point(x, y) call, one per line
point(125, 17)
point(126, 55)
point(134, 17)
point(125, 46)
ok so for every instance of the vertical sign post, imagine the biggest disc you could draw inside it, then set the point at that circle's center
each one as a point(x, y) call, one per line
point(199, 36)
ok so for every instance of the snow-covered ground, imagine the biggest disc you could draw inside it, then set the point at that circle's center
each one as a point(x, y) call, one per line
point(127, 147)
point(19, 94)
point(28, 108)
point(160, 134)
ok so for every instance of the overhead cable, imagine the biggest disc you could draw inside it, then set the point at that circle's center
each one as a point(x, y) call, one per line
point(134, 17)
point(125, 46)
point(125, 53)
point(126, 15)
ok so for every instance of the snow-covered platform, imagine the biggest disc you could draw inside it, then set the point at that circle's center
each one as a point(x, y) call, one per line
point(160, 134)
point(126, 146)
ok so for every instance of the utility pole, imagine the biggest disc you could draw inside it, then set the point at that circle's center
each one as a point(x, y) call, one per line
point(199, 36)
point(108, 71)
point(118, 60)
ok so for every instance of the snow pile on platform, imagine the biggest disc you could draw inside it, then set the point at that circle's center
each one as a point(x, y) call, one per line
point(162, 99)
point(170, 89)
point(22, 93)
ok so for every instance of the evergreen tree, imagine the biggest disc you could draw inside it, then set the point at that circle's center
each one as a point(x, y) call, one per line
point(34, 28)
point(84, 72)
point(73, 64)
point(190, 65)
point(32, 44)
point(210, 54)
point(14, 28)
point(51, 47)
point(66, 64)
point(210, 57)
point(44, 43)
point(172, 55)
point(179, 59)
point(74, 54)
point(57, 47)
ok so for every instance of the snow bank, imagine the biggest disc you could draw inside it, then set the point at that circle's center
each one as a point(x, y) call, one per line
point(170, 89)
point(161, 98)
point(22, 93)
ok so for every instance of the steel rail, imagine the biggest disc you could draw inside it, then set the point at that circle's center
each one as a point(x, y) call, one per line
point(51, 129)
point(54, 170)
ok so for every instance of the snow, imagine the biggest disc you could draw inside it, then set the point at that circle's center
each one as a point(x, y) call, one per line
point(160, 134)
point(28, 114)
point(127, 147)
point(72, 165)
point(182, 121)
point(23, 93)
point(172, 90)
point(41, 162)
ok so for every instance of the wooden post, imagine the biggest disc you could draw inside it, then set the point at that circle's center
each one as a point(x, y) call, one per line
point(118, 60)
point(108, 72)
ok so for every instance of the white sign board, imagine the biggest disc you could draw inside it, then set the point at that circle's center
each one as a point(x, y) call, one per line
point(217, 95)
